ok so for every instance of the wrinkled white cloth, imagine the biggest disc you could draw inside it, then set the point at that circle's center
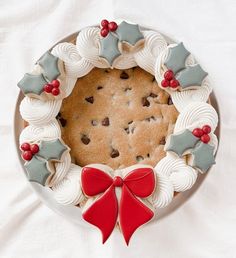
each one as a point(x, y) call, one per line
point(205, 225)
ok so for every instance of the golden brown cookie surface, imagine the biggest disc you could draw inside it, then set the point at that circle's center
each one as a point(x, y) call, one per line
point(118, 118)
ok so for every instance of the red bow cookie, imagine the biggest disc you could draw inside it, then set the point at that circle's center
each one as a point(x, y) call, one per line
point(106, 209)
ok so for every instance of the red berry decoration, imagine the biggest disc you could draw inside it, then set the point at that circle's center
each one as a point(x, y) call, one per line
point(104, 32)
point(25, 146)
point(34, 148)
point(165, 83)
point(48, 87)
point(55, 91)
point(206, 129)
point(104, 23)
point(169, 75)
point(174, 83)
point(205, 138)
point(198, 132)
point(27, 155)
point(55, 83)
point(112, 26)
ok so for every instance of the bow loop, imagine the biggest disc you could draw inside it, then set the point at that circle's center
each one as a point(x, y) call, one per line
point(141, 182)
point(90, 176)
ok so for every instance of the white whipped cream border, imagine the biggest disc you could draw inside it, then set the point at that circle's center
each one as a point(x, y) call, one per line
point(173, 173)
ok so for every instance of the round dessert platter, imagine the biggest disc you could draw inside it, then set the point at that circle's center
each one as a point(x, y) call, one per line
point(117, 120)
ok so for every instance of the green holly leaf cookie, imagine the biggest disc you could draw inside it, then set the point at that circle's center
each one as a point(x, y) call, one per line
point(203, 156)
point(176, 58)
point(191, 76)
point(179, 143)
point(51, 150)
point(129, 33)
point(32, 83)
point(49, 63)
point(109, 48)
point(37, 170)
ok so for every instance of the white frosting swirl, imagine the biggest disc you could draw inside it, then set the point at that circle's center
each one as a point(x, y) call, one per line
point(61, 169)
point(68, 191)
point(195, 115)
point(153, 46)
point(180, 174)
point(87, 44)
point(38, 112)
point(125, 61)
point(164, 192)
point(34, 133)
point(75, 65)
point(184, 178)
point(182, 98)
point(159, 65)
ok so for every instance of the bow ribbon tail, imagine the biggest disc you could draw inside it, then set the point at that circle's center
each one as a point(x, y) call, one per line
point(103, 213)
point(133, 213)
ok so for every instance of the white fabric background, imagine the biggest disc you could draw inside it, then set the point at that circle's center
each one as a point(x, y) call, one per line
point(205, 226)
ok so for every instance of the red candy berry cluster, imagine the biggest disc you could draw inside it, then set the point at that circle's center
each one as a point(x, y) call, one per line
point(107, 26)
point(29, 150)
point(52, 87)
point(169, 80)
point(203, 133)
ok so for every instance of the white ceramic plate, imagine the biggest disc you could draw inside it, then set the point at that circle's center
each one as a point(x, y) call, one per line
point(73, 213)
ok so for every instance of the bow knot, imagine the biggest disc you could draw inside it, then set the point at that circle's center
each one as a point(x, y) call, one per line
point(117, 181)
point(138, 184)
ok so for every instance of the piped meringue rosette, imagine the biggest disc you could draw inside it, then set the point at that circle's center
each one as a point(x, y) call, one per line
point(189, 150)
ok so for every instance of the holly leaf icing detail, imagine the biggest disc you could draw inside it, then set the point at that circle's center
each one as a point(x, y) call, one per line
point(179, 143)
point(203, 156)
point(49, 63)
point(109, 48)
point(51, 150)
point(176, 57)
point(191, 76)
point(37, 170)
point(129, 33)
point(32, 83)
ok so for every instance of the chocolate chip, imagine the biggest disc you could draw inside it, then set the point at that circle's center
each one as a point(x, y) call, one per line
point(130, 122)
point(128, 89)
point(148, 155)
point(153, 79)
point(153, 95)
point(99, 87)
point(163, 141)
point(105, 121)
point(170, 102)
point(139, 158)
point(90, 99)
point(150, 118)
point(114, 153)
point(124, 76)
point(58, 115)
point(62, 121)
point(127, 130)
point(94, 122)
point(85, 140)
point(145, 102)
point(106, 71)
